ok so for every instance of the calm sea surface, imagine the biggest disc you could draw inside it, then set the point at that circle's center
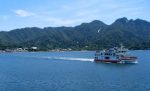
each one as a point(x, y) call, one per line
point(71, 71)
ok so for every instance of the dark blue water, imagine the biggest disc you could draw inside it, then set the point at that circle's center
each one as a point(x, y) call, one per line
point(71, 71)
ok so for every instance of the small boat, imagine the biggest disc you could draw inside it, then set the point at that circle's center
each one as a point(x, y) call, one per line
point(115, 55)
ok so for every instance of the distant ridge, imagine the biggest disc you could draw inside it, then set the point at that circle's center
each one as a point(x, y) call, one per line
point(134, 34)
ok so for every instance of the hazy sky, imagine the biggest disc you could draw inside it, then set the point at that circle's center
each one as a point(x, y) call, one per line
point(44, 13)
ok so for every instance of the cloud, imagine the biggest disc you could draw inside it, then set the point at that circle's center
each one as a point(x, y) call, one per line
point(23, 13)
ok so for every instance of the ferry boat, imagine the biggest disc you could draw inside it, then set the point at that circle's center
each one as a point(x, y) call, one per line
point(115, 55)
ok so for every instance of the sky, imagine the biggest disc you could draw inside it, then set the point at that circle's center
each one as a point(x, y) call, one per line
point(45, 13)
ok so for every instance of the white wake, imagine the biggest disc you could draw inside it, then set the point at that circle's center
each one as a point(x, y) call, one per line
point(71, 58)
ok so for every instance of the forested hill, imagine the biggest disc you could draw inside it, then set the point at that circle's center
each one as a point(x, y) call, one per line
point(134, 34)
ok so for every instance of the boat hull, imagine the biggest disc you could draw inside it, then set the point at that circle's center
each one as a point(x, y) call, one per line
point(124, 61)
point(106, 61)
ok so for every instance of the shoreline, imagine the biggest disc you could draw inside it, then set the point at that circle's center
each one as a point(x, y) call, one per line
point(57, 51)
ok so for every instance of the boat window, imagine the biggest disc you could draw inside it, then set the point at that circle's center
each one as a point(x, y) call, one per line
point(113, 54)
point(106, 57)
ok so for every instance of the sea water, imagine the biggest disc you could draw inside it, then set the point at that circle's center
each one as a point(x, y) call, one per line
point(71, 71)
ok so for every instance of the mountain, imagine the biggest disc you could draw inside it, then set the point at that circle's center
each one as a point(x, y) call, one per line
point(134, 34)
